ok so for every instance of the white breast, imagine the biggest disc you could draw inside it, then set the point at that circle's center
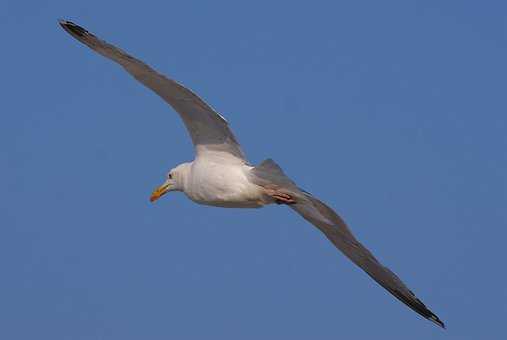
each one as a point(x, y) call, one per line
point(222, 185)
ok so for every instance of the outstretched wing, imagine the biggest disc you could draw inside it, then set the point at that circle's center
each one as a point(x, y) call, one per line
point(335, 229)
point(269, 174)
point(209, 131)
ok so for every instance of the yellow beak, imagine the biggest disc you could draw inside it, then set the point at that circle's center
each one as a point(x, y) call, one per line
point(159, 192)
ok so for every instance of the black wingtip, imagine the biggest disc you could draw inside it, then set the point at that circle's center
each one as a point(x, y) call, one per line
point(72, 28)
point(433, 318)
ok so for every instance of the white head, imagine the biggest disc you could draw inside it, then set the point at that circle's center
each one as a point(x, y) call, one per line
point(175, 181)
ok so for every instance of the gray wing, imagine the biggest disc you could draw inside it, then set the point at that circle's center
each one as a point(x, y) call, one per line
point(335, 229)
point(269, 174)
point(209, 131)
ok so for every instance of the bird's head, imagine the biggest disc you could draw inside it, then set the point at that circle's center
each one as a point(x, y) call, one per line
point(175, 181)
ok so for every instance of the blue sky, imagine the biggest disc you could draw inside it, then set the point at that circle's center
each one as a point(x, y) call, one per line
point(392, 112)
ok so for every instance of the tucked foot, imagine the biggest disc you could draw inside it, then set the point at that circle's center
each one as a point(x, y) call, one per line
point(280, 197)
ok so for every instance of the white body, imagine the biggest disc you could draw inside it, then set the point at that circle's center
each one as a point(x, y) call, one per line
point(211, 182)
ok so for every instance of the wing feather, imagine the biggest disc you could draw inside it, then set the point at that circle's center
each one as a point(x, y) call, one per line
point(335, 229)
point(208, 129)
point(268, 174)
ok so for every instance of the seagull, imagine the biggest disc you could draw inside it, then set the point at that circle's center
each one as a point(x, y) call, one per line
point(221, 176)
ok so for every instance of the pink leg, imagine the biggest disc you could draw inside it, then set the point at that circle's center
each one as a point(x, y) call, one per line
point(280, 197)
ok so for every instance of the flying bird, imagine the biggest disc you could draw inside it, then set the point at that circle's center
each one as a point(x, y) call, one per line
point(221, 176)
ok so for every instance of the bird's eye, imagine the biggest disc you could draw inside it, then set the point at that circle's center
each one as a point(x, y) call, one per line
point(170, 176)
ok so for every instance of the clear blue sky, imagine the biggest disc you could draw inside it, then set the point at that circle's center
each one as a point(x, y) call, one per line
point(393, 112)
